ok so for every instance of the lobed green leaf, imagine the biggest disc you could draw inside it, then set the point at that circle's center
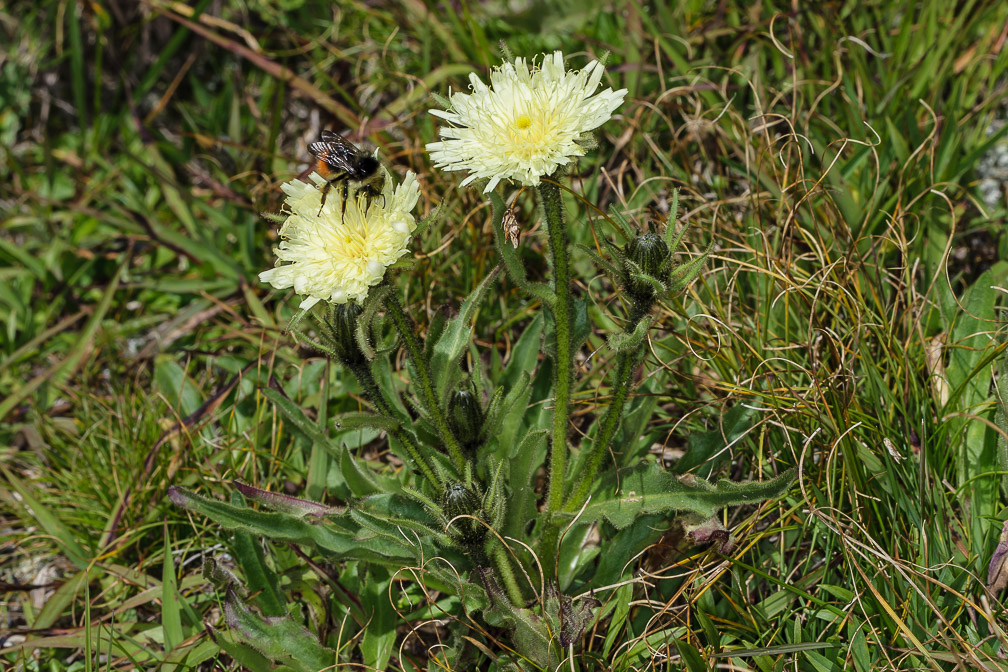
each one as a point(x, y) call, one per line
point(651, 490)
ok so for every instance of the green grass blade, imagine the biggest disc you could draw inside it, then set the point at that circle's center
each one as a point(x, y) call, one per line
point(171, 614)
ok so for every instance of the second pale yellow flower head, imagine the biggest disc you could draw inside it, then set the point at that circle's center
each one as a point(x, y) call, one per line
point(526, 124)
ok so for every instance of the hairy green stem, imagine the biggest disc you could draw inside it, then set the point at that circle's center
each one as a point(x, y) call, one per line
point(504, 570)
point(362, 372)
point(425, 382)
point(638, 311)
point(626, 362)
point(563, 310)
point(563, 317)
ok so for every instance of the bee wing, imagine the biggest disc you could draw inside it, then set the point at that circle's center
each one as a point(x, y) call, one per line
point(335, 152)
point(331, 136)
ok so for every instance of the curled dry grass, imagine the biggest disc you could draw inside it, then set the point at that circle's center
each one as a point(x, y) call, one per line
point(833, 188)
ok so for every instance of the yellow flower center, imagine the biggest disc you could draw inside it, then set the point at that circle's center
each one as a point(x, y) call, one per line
point(528, 136)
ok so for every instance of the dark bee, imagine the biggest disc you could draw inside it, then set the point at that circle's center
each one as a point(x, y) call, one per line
point(343, 164)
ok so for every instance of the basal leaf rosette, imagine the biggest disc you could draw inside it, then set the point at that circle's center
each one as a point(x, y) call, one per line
point(526, 124)
point(335, 252)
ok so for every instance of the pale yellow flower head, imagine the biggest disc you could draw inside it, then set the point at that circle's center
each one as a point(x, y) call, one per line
point(337, 255)
point(526, 124)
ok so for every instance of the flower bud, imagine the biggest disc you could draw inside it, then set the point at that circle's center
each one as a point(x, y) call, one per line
point(465, 419)
point(460, 500)
point(343, 328)
point(650, 253)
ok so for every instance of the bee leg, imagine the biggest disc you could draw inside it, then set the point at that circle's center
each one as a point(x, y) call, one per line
point(344, 188)
point(325, 192)
point(340, 183)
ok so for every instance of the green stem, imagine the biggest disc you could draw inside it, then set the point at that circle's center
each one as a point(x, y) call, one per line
point(563, 311)
point(425, 382)
point(367, 382)
point(507, 575)
point(638, 311)
point(626, 363)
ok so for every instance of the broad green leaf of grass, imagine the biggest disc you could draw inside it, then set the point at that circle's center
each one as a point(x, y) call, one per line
point(61, 598)
point(973, 320)
point(979, 445)
point(178, 389)
point(859, 651)
point(707, 624)
point(691, 658)
point(257, 308)
point(621, 600)
point(969, 376)
point(821, 663)
point(577, 554)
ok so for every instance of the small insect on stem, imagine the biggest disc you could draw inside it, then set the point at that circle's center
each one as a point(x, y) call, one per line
point(510, 221)
point(341, 163)
point(511, 226)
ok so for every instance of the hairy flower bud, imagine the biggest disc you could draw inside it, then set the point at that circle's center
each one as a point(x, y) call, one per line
point(461, 500)
point(650, 254)
point(465, 419)
point(343, 329)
